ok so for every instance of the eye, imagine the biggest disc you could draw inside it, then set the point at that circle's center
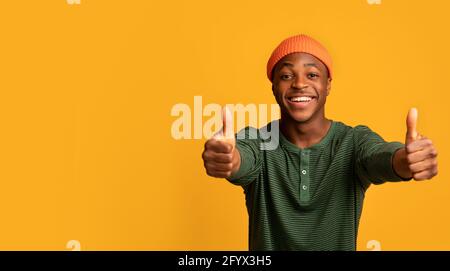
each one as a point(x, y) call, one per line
point(312, 75)
point(286, 76)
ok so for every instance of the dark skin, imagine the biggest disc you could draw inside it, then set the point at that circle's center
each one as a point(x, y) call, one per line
point(304, 123)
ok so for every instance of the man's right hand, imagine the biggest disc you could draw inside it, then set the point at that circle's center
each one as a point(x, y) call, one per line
point(220, 157)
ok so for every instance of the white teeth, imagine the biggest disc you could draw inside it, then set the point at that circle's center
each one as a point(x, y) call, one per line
point(301, 99)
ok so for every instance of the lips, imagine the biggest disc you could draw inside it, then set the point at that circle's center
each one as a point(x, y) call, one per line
point(300, 101)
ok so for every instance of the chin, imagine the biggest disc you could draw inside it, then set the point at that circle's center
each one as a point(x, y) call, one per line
point(300, 116)
point(302, 119)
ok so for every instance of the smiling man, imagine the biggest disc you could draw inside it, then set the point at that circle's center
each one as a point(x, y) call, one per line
point(308, 193)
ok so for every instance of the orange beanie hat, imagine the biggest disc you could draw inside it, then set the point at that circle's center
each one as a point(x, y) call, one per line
point(299, 44)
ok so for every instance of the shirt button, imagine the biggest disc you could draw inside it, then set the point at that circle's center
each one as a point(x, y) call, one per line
point(303, 172)
point(304, 187)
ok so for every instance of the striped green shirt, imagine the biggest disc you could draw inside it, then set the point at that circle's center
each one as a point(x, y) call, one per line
point(311, 198)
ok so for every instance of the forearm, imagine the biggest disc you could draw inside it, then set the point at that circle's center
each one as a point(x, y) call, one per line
point(246, 162)
point(400, 164)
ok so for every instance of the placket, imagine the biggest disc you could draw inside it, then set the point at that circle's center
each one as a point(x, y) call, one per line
point(304, 176)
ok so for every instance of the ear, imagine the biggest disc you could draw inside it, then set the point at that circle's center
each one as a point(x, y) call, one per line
point(328, 86)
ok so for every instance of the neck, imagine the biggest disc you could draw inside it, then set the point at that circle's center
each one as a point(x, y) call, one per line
point(304, 134)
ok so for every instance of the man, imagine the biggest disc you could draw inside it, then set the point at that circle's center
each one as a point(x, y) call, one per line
point(307, 194)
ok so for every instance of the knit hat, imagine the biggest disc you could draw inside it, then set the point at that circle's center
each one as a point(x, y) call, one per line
point(299, 44)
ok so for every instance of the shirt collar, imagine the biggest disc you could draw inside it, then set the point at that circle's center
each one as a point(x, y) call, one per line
point(323, 142)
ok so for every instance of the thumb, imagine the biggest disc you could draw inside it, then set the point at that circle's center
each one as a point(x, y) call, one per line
point(227, 132)
point(227, 119)
point(411, 125)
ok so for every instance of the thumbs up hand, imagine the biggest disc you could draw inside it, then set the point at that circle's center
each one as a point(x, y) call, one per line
point(220, 156)
point(421, 155)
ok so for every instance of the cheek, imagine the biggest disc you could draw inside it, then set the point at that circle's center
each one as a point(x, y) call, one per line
point(321, 89)
point(322, 100)
point(278, 97)
point(322, 92)
point(278, 92)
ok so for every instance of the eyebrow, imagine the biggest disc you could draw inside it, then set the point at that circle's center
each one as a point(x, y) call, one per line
point(289, 64)
point(310, 64)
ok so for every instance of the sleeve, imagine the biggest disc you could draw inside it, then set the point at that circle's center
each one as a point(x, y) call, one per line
point(374, 157)
point(248, 144)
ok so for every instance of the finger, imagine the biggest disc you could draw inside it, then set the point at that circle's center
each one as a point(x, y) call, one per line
point(218, 157)
point(411, 125)
point(419, 145)
point(424, 175)
point(421, 155)
point(219, 166)
point(423, 165)
point(218, 174)
point(218, 146)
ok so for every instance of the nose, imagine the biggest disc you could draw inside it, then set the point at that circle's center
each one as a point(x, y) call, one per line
point(299, 83)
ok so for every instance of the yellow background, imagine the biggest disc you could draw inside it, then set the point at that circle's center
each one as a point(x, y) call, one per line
point(86, 92)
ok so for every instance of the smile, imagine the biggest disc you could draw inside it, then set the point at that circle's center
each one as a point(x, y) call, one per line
point(300, 101)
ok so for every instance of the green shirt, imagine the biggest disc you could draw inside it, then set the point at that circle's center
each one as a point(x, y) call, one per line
point(311, 198)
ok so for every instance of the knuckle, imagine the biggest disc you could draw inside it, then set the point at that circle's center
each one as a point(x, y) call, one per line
point(204, 156)
point(229, 166)
point(228, 157)
point(434, 153)
point(208, 143)
point(228, 148)
point(435, 172)
point(434, 163)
